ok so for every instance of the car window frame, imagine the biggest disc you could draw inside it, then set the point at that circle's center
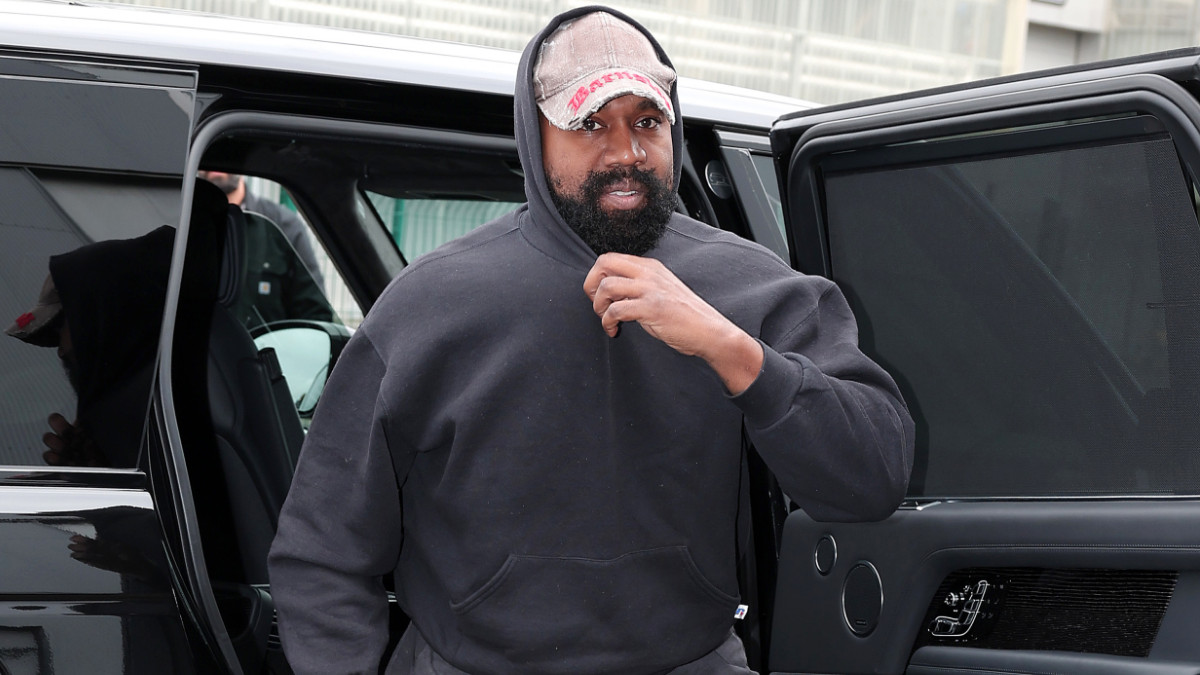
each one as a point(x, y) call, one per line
point(922, 541)
point(799, 147)
point(738, 150)
point(388, 262)
point(803, 149)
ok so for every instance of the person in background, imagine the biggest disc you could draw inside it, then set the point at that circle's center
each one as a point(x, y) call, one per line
point(287, 220)
point(282, 280)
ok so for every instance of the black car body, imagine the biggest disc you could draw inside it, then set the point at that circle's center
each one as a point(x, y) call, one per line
point(1023, 255)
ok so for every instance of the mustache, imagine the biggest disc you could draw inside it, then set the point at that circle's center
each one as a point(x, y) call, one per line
point(599, 182)
point(635, 231)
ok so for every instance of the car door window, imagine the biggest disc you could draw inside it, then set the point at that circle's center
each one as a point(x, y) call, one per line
point(421, 225)
point(1038, 306)
point(747, 165)
point(90, 163)
point(764, 165)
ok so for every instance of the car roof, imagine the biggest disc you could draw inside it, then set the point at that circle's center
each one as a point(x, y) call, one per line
point(203, 39)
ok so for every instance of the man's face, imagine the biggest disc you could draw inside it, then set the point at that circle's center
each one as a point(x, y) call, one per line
point(228, 182)
point(611, 180)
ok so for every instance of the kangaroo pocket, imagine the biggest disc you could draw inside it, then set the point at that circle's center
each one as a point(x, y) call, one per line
point(642, 611)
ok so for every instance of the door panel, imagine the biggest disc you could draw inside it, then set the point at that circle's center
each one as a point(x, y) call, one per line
point(916, 550)
point(89, 154)
point(1022, 257)
point(84, 584)
point(966, 661)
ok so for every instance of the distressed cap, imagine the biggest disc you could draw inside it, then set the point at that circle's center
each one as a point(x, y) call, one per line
point(589, 61)
point(32, 326)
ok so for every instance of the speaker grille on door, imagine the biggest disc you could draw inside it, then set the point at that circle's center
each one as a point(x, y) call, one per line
point(1092, 611)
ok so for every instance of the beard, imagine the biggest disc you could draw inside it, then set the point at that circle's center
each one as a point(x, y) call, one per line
point(71, 368)
point(635, 231)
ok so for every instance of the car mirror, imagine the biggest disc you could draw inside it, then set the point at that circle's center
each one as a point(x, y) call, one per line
point(306, 351)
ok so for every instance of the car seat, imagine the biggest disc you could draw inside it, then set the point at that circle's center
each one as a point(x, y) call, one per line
point(238, 442)
point(257, 430)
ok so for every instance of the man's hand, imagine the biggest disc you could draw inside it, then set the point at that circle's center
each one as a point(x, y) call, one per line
point(110, 556)
point(68, 445)
point(629, 288)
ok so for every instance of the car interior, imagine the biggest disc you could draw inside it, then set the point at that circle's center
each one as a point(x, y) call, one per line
point(375, 197)
point(347, 181)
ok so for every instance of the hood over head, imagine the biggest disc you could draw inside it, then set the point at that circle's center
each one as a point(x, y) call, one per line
point(112, 295)
point(548, 225)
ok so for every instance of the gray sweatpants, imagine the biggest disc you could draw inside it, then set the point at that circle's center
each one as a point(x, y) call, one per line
point(414, 656)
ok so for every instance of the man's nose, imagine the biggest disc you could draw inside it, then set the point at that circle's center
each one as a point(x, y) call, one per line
point(624, 149)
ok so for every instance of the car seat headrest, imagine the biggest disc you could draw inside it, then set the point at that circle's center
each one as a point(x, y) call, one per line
point(232, 258)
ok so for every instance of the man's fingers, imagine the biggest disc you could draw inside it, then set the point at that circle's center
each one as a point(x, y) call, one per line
point(624, 265)
point(612, 317)
point(54, 442)
point(617, 265)
point(592, 282)
point(631, 288)
point(599, 272)
point(58, 423)
point(614, 289)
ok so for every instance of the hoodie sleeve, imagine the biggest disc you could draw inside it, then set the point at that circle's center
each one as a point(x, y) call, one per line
point(339, 530)
point(827, 420)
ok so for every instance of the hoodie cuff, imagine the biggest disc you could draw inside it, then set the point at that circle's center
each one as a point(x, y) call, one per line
point(770, 395)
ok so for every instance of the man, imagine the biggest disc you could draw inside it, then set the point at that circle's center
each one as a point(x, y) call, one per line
point(542, 445)
point(282, 280)
point(290, 224)
point(101, 308)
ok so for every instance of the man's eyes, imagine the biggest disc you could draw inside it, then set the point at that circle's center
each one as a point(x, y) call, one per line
point(650, 122)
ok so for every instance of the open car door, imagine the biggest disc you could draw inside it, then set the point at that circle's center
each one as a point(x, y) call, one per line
point(92, 155)
point(1023, 255)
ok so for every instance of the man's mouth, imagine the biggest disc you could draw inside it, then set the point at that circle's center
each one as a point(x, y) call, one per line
point(622, 197)
point(624, 194)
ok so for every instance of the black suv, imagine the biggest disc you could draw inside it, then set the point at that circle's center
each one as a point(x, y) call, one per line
point(1023, 255)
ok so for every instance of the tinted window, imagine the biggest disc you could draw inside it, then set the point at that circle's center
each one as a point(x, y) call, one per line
point(1040, 308)
point(421, 225)
point(765, 166)
point(752, 176)
point(84, 165)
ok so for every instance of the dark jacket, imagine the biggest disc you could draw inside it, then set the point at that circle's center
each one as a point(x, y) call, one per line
point(292, 227)
point(112, 295)
point(277, 284)
point(552, 500)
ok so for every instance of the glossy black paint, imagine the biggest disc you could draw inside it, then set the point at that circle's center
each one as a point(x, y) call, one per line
point(89, 148)
point(84, 582)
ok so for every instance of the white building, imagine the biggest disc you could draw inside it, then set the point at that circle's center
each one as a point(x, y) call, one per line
point(827, 51)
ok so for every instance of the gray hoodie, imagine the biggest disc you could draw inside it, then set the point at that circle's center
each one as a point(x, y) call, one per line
point(550, 499)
